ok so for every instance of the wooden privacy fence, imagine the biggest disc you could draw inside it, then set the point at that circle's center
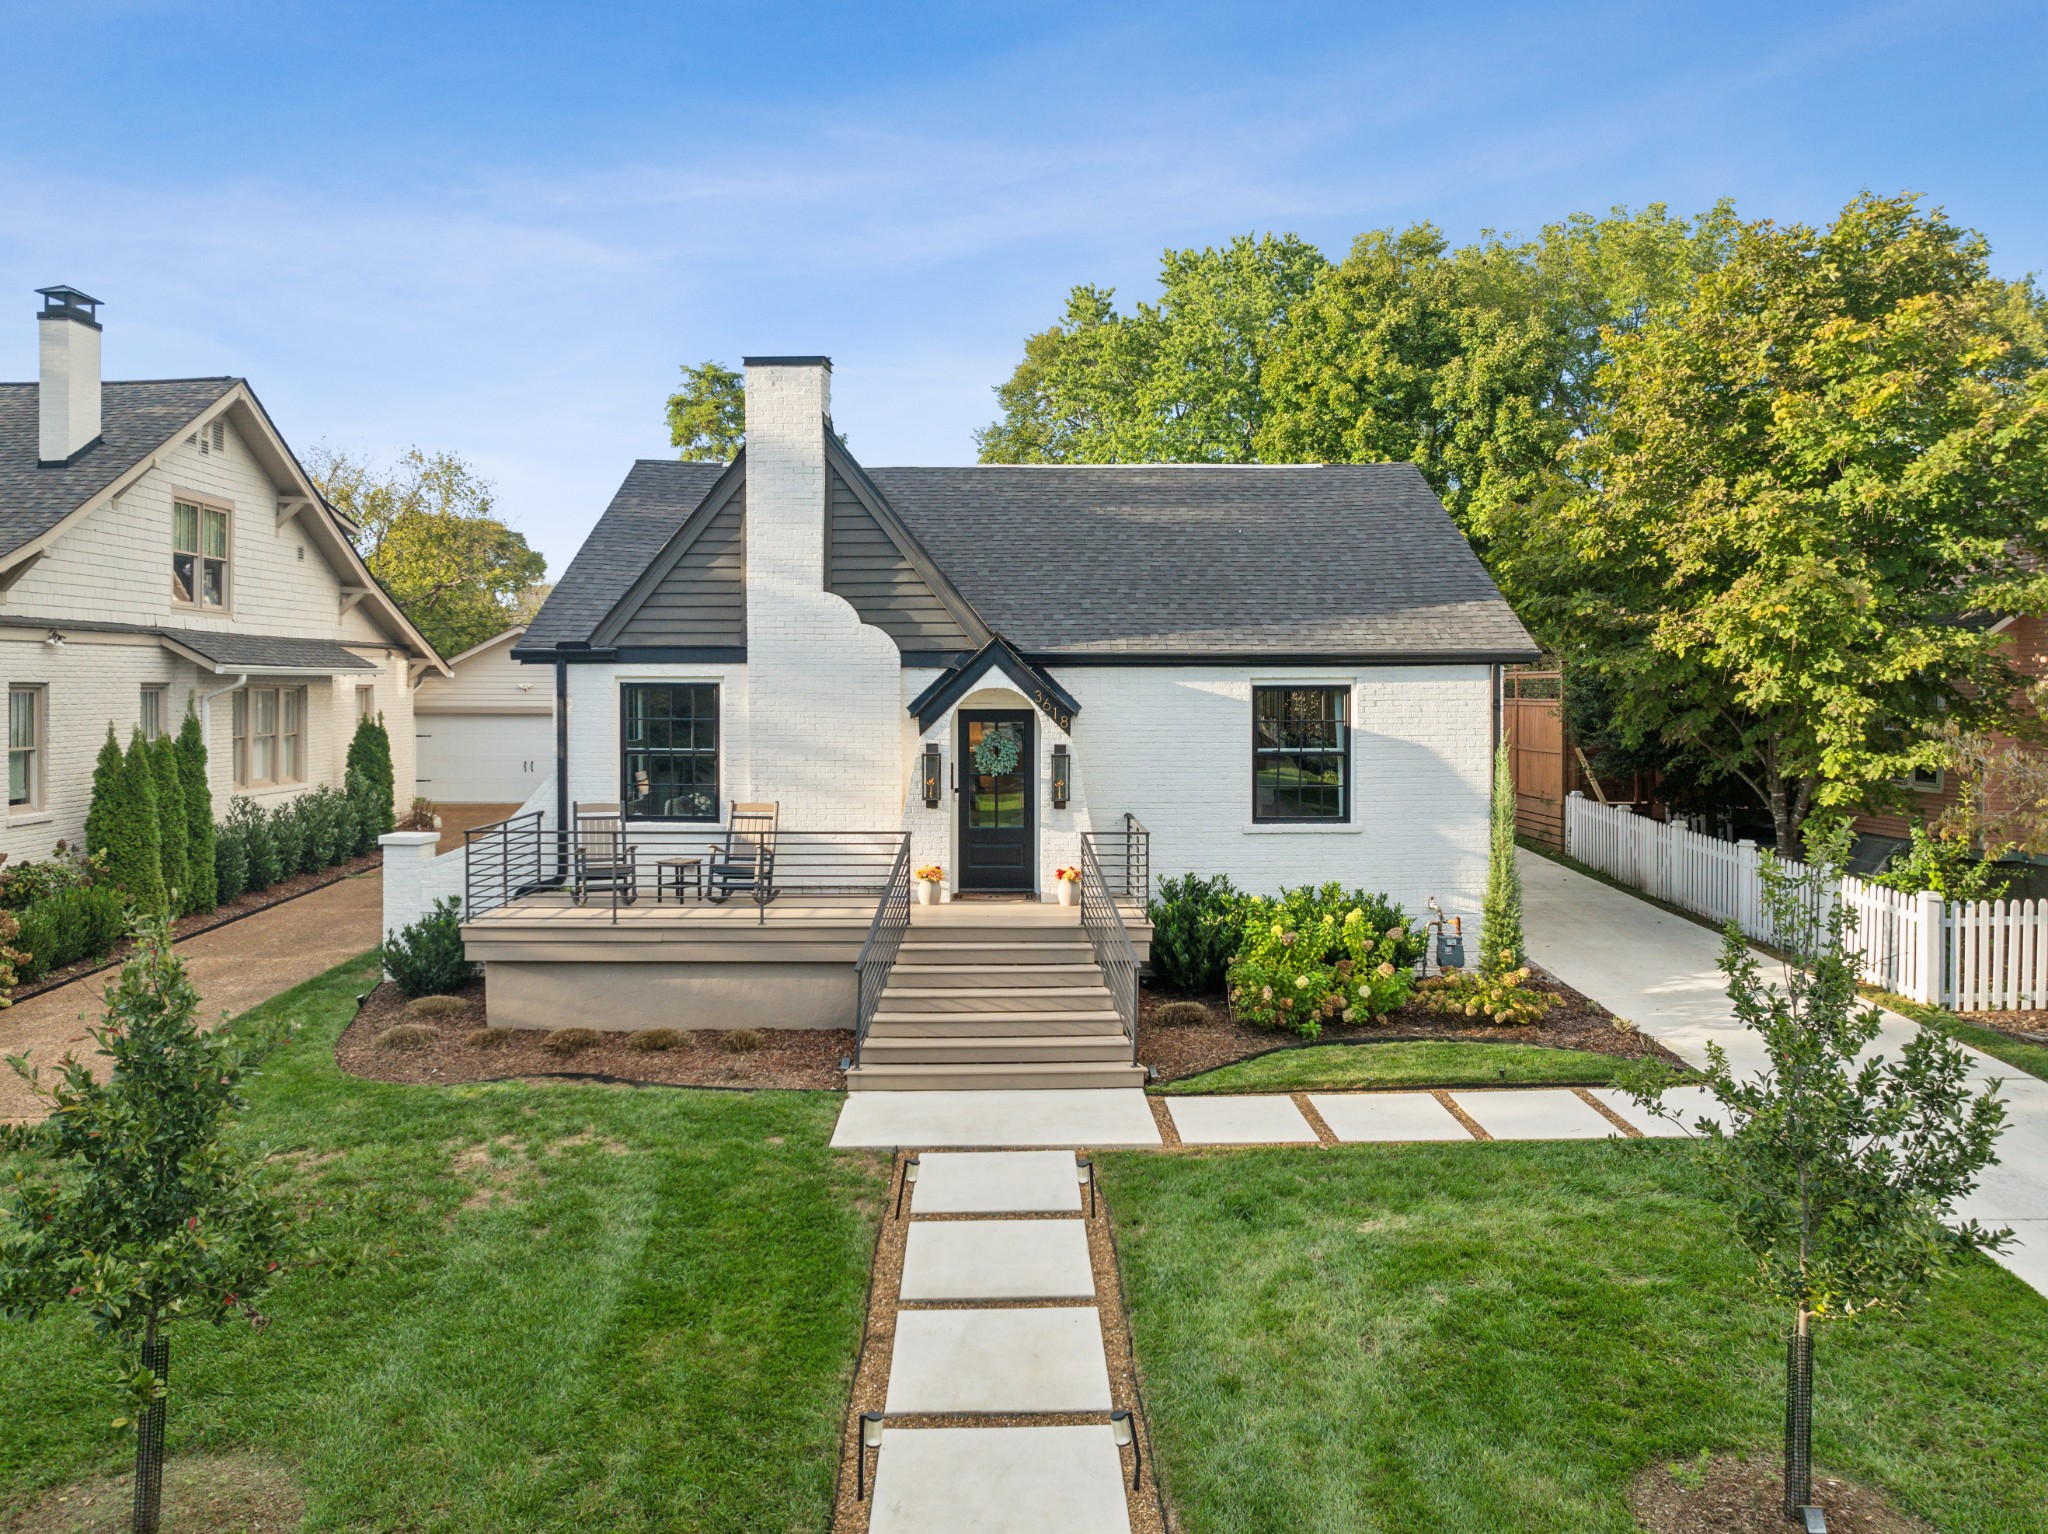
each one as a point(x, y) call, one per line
point(1533, 719)
point(1974, 956)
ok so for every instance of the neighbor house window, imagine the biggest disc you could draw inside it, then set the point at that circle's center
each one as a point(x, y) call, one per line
point(270, 736)
point(24, 748)
point(199, 555)
point(668, 750)
point(1925, 780)
point(1301, 754)
point(152, 712)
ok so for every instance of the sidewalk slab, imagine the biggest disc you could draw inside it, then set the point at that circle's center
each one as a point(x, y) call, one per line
point(1354, 1117)
point(1545, 1114)
point(1691, 1104)
point(999, 1480)
point(996, 1182)
point(1066, 1117)
point(1239, 1121)
point(998, 1260)
point(998, 1361)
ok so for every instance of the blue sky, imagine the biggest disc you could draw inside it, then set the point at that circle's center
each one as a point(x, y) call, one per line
point(498, 229)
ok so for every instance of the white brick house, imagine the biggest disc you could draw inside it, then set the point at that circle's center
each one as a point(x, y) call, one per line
point(1286, 673)
point(161, 547)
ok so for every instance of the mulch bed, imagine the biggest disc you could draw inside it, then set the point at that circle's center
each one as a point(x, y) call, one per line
point(1577, 1022)
point(797, 1058)
point(191, 926)
point(2030, 1027)
point(1734, 1494)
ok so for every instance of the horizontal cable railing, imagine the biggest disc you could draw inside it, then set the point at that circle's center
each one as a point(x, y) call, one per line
point(1111, 940)
point(503, 861)
point(885, 938)
point(1125, 857)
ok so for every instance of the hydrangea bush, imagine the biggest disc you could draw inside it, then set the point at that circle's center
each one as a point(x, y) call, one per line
point(1317, 956)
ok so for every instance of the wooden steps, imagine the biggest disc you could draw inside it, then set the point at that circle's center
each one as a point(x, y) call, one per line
point(1007, 998)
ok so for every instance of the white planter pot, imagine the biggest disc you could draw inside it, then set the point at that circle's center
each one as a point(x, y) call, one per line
point(926, 891)
point(1066, 889)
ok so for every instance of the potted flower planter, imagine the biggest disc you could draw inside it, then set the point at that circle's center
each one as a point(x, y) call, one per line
point(1066, 890)
point(927, 892)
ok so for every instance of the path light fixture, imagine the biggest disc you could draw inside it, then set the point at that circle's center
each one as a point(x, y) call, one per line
point(1084, 1174)
point(1125, 1431)
point(909, 1181)
point(870, 1438)
point(929, 777)
point(1062, 777)
point(1815, 1521)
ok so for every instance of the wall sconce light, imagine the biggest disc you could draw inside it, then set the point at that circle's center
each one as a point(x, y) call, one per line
point(1084, 1174)
point(1062, 777)
point(1125, 1432)
point(931, 777)
point(870, 1438)
point(909, 1182)
point(54, 640)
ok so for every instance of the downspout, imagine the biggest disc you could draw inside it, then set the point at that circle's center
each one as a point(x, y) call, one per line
point(206, 704)
point(561, 766)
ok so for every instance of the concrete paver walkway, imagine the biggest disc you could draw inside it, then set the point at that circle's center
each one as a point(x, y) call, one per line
point(235, 967)
point(1659, 971)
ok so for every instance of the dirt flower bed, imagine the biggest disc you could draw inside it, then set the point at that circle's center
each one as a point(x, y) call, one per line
point(220, 916)
point(2030, 1027)
point(444, 1047)
point(1730, 1494)
point(1577, 1022)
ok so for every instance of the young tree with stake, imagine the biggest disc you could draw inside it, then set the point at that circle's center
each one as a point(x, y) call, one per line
point(1841, 1170)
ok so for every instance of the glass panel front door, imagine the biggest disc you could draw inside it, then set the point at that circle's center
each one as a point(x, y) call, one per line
point(998, 843)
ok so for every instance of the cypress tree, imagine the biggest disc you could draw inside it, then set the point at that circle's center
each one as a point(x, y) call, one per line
point(172, 833)
point(200, 849)
point(103, 812)
point(134, 851)
point(1500, 917)
point(369, 753)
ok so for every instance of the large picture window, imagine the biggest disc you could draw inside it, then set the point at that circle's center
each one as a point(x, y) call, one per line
point(1301, 754)
point(668, 750)
point(270, 736)
point(199, 555)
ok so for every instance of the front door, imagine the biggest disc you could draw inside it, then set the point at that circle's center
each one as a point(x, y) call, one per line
point(998, 830)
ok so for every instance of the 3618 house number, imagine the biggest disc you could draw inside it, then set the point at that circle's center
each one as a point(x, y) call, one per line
point(1049, 706)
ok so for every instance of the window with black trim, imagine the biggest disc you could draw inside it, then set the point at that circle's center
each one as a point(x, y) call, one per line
point(1301, 754)
point(668, 750)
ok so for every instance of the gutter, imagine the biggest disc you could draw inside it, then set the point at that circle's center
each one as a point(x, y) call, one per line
point(206, 704)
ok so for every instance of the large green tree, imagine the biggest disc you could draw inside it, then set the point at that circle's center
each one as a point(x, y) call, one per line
point(707, 416)
point(1799, 497)
point(428, 531)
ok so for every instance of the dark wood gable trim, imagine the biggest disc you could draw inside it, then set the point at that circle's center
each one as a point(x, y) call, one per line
point(728, 484)
point(1043, 689)
point(870, 496)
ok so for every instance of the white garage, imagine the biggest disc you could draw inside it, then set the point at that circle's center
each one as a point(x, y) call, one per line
point(486, 734)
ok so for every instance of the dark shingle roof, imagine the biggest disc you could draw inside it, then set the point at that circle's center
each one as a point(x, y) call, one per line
point(658, 495)
point(135, 420)
point(1183, 560)
point(266, 652)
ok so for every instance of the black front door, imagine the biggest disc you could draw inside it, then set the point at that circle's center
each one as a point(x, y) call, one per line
point(998, 834)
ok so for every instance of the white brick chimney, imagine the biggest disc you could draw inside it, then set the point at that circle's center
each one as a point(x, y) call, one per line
point(68, 393)
point(825, 716)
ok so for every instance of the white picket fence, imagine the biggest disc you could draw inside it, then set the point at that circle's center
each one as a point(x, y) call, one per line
point(1981, 955)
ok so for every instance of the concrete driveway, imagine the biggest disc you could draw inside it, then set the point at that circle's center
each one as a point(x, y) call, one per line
point(1660, 972)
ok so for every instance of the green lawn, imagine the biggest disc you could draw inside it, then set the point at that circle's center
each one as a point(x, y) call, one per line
point(1425, 1063)
point(2018, 1053)
point(1500, 1337)
point(646, 1319)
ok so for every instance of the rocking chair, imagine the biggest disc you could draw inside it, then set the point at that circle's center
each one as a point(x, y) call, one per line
point(601, 857)
point(745, 863)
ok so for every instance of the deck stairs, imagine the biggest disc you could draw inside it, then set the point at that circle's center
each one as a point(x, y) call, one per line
point(995, 996)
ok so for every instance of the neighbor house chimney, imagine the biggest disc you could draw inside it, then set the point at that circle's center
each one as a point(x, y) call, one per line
point(68, 398)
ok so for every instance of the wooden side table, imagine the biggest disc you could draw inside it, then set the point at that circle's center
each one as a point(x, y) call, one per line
point(673, 871)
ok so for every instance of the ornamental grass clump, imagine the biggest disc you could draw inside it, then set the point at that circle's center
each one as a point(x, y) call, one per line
point(569, 1041)
point(437, 1006)
point(1181, 1014)
point(740, 1041)
point(1321, 956)
point(407, 1037)
point(654, 1041)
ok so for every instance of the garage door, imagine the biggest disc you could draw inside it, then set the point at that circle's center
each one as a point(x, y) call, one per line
point(483, 758)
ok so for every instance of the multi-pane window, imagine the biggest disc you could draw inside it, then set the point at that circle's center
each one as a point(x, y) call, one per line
point(269, 736)
point(152, 712)
point(668, 750)
point(199, 555)
point(24, 748)
point(1301, 753)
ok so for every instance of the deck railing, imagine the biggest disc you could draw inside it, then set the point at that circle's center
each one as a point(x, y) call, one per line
point(503, 861)
point(885, 938)
point(1125, 857)
point(1114, 955)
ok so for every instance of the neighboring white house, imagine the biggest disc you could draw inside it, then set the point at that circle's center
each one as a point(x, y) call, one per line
point(486, 730)
point(1286, 673)
point(160, 546)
